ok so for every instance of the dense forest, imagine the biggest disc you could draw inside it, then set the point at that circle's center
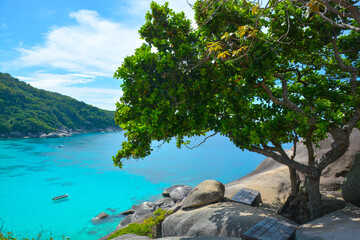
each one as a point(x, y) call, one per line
point(28, 111)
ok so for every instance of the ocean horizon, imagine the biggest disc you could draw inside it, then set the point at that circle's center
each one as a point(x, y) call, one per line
point(34, 170)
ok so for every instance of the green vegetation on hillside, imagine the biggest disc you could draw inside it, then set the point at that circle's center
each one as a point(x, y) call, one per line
point(26, 109)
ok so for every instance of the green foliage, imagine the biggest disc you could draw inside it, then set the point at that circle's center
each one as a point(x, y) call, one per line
point(259, 88)
point(26, 109)
point(146, 228)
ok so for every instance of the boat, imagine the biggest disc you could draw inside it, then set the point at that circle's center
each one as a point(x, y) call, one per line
point(60, 197)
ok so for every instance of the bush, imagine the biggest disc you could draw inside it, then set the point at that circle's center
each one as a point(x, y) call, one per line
point(147, 228)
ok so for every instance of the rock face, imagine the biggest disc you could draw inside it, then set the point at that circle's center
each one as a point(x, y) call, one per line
point(131, 237)
point(209, 191)
point(272, 177)
point(179, 193)
point(340, 225)
point(100, 216)
point(166, 192)
point(226, 219)
point(351, 184)
point(138, 213)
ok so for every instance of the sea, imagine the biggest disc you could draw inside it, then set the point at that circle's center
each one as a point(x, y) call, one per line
point(34, 170)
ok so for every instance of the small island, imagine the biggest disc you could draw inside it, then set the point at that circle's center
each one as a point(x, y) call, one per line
point(30, 112)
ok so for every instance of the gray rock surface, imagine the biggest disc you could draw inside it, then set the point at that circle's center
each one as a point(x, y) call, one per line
point(351, 184)
point(166, 192)
point(127, 212)
point(225, 219)
point(199, 238)
point(208, 191)
point(164, 203)
point(179, 193)
point(272, 179)
point(131, 237)
point(340, 225)
point(100, 216)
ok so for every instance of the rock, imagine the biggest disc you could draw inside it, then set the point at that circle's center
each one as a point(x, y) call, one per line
point(179, 193)
point(100, 216)
point(199, 238)
point(126, 221)
point(141, 212)
point(127, 212)
point(351, 184)
point(340, 225)
point(225, 219)
point(166, 192)
point(164, 203)
point(52, 135)
point(131, 236)
point(209, 191)
point(272, 179)
point(176, 207)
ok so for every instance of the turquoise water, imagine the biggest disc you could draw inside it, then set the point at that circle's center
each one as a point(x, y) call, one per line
point(32, 171)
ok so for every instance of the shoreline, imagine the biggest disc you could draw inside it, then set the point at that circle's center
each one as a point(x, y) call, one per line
point(62, 132)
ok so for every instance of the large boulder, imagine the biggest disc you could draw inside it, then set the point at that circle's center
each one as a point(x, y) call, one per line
point(351, 184)
point(209, 191)
point(225, 219)
point(167, 191)
point(179, 193)
point(164, 203)
point(340, 225)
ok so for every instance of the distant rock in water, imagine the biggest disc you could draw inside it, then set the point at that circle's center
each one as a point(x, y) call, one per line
point(30, 112)
point(101, 215)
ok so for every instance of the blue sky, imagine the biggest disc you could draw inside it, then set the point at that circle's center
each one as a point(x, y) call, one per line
point(73, 46)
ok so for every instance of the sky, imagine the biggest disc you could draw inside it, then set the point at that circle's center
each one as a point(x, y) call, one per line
point(73, 47)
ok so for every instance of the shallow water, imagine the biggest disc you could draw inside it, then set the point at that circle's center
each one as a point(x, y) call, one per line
point(32, 171)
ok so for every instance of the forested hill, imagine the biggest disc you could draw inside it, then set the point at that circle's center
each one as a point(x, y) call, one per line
point(28, 111)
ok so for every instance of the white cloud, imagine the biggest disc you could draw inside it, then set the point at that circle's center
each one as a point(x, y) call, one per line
point(92, 45)
point(88, 51)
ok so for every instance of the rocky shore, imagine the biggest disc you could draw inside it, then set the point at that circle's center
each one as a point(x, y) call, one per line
point(62, 132)
point(207, 211)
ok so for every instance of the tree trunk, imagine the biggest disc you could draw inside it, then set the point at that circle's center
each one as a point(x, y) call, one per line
point(294, 179)
point(312, 187)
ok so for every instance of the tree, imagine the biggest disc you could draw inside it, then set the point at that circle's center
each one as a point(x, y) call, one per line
point(260, 76)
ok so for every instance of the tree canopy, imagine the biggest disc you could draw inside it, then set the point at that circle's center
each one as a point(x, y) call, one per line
point(262, 76)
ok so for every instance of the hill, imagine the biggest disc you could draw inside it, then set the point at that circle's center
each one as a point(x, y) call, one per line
point(28, 111)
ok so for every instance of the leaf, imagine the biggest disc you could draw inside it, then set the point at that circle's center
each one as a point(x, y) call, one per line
point(255, 9)
point(225, 36)
point(223, 54)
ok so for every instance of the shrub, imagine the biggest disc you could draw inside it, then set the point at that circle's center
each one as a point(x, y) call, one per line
point(147, 228)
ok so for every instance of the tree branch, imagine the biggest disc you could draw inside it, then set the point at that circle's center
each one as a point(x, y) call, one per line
point(347, 68)
point(285, 103)
point(202, 141)
point(314, 171)
point(338, 147)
